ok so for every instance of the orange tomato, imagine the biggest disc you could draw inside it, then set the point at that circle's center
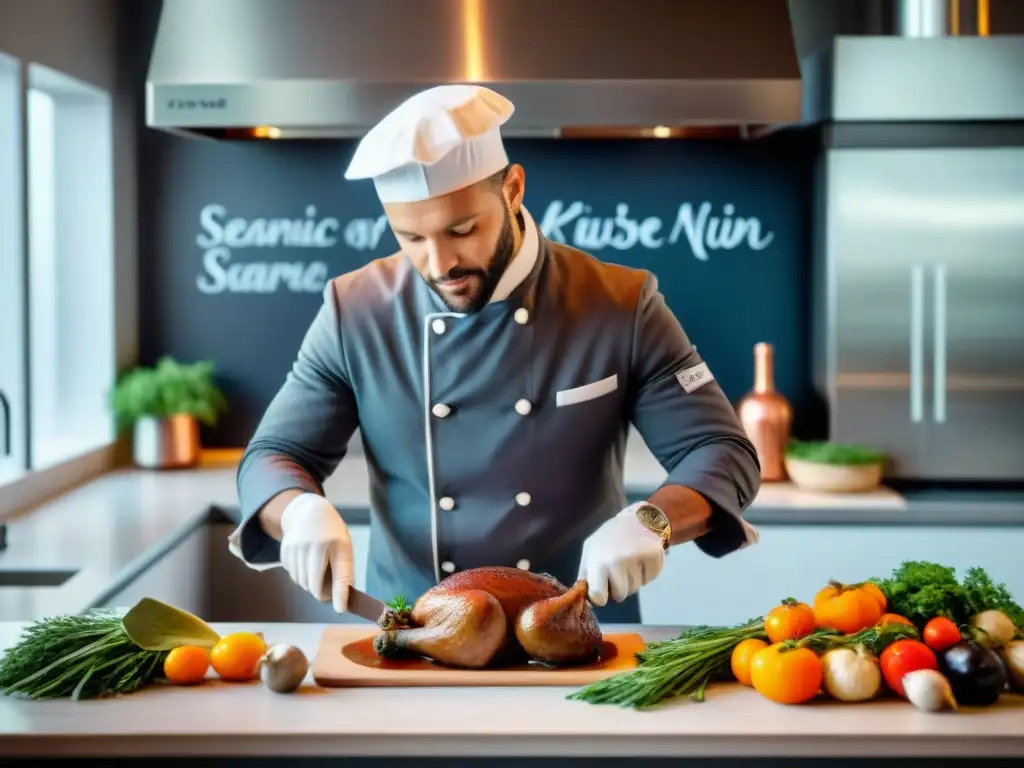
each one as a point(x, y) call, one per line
point(789, 621)
point(845, 608)
point(741, 657)
point(237, 656)
point(786, 676)
point(876, 592)
point(894, 618)
point(186, 665)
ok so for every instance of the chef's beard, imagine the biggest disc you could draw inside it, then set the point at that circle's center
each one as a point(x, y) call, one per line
point(487, 278)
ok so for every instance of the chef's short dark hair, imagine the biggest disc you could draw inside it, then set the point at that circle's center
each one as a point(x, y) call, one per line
point(496, 180)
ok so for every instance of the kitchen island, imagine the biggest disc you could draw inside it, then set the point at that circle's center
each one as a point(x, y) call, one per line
point(245, 720)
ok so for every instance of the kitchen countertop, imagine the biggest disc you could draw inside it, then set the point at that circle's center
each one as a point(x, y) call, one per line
point(246, 719)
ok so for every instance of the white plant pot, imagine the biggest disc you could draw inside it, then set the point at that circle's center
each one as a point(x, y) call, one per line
point(171, 443)
point(834, 478)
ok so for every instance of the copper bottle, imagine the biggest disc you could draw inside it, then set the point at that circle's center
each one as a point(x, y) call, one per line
point(767, 416)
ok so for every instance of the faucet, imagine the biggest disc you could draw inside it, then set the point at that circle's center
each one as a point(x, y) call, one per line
point(5, 406)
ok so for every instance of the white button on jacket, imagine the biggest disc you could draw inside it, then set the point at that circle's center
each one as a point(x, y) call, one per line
point(438, 326)
point(447, 503)
point(441, 410)
point(523, 407)
point(522, 315)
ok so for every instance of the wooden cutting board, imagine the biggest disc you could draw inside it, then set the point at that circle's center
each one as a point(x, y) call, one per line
point(345, 659)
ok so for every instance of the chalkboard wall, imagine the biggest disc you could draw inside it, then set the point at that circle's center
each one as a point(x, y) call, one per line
point(238, 239)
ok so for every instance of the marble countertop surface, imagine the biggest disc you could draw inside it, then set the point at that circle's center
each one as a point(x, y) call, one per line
point(246, 719)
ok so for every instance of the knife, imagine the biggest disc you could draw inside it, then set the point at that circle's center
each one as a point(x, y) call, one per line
point(364, 606)
point(359, 603)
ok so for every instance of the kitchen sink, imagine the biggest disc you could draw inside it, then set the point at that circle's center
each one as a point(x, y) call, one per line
point(23, 577)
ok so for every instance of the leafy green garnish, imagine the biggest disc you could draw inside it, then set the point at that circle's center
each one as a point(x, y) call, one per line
point(824, 452)
point(399, 605)
point(921, 590)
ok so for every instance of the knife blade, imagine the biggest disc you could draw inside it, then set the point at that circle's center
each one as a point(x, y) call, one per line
point(359, 603)
point(365, 606)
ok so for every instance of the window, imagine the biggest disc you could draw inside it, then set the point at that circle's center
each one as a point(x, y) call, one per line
point(71, 353)
point(12, 276)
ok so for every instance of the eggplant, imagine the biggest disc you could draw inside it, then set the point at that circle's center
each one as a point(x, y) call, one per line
point(976, 673)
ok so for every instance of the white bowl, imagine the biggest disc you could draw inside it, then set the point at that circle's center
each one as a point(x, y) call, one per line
point(834, 478)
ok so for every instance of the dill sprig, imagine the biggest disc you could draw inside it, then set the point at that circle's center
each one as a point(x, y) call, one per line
point(78, 657)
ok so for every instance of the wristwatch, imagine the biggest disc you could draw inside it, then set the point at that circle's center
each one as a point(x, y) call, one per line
point(656, 521)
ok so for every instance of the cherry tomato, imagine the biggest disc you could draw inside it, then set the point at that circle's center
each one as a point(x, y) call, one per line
point(902, 657)
point(940, 633)
point(790, 676)
point(742, 655)
point(789, 621)
point(894, 618)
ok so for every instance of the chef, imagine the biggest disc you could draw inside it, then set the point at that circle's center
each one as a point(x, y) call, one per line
point(493, 375)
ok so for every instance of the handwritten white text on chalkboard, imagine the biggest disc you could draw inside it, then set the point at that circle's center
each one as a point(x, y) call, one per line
point(703, 231)
point(221, 235)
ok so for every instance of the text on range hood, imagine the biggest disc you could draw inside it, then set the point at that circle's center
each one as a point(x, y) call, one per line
point(328, 68)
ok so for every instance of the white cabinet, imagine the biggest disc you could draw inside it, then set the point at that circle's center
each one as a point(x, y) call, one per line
point(796, 561)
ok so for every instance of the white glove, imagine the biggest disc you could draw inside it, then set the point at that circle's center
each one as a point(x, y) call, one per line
point(620, 557)
point(315, 539)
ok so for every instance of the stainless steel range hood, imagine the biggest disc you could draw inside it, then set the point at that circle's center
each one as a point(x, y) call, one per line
point(939, 65)
point(330, 68)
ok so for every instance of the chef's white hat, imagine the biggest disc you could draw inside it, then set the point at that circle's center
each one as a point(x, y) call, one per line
point(437, 141)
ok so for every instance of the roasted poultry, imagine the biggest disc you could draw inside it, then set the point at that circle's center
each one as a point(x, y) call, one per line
point(496, 616)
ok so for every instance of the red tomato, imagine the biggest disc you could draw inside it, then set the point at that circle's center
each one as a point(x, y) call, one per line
point(940, 633)
point(902, 657)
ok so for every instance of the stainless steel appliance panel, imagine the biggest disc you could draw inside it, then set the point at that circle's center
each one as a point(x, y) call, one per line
point(875, 284)
point(926, 254)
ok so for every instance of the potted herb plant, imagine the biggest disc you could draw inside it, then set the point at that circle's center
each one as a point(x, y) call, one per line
point(164, 406)
point(833, 467)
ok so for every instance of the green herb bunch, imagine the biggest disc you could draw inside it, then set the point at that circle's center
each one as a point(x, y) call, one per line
point(167, 389)
point(921, 590)
point(683, 666)
point(99, 653)
point(77, 657)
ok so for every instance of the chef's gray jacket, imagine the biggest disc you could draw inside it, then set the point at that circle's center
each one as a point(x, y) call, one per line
point(497, 437)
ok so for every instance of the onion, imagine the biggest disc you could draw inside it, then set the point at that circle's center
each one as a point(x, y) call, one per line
point(851, 674)
point(997, 628)
point(1013, 655)
point(929, 690)
point(283, 668)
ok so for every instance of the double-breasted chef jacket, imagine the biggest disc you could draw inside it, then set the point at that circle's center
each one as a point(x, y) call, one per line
point(497, 437)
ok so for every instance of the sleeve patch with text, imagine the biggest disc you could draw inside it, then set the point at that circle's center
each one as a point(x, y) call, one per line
point(695, 377)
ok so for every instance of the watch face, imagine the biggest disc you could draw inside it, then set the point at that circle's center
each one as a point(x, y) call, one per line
point(653, 518)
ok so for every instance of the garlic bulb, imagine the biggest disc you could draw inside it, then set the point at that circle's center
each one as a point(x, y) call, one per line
point(851, 674)
point(929, 690)
point(283, 668)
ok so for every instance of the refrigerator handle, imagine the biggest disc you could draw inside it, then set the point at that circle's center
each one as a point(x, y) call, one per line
point(916, 343)
point(939, 358)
